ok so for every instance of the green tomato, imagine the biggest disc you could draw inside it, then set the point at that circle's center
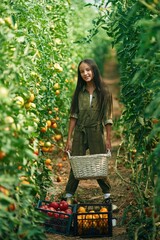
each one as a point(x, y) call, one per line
point(48, 144)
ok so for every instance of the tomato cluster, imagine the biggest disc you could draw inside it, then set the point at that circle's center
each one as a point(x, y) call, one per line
point(57, 209)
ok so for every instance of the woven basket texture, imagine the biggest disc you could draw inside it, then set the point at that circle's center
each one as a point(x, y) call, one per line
point(93, 166)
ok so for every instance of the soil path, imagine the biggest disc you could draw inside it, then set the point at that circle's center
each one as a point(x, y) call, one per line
point(89, 191)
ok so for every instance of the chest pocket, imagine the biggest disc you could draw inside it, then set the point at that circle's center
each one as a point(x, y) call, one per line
point(84, 102)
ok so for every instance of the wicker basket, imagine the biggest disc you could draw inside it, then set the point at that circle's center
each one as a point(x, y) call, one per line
point(93, 166)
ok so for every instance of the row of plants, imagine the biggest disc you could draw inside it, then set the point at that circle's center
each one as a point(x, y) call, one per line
point(38, 64)
point(30, 66)
point(134, 29)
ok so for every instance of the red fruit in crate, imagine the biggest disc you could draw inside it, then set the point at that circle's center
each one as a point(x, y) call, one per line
point(62, 214)
point(50, 214)
point(63, 205)
point(44, 207)
point(56, 215)
point(68, 211)
point(55, 205)
point(52, 209)
point(41, 207)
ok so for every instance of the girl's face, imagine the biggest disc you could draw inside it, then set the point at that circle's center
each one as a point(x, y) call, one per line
point(86, 72)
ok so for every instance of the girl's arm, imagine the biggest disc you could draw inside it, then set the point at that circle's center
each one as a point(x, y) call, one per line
point(72, 124)
point(108, 122)
point(108, 128)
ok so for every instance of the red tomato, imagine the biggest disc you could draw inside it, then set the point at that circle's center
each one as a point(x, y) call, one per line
point(55, 205)
point(44, 207)
point(50, 214)
point(68, 211)
point(52, 209)
point(56, 215)
point(63, 205)
point(62, 214)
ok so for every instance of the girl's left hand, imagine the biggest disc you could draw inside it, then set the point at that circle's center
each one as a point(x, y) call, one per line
point(108, 145)
point(68, 146)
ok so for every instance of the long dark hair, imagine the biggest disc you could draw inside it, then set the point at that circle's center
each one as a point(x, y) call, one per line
point(104, 96)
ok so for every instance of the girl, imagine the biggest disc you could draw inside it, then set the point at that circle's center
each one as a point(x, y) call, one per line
point(91, 112)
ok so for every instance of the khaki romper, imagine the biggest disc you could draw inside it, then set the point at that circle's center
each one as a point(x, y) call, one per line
point(88, 135)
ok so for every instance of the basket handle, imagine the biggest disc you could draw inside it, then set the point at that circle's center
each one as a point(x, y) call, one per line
point(109, 153)
point(69, 155)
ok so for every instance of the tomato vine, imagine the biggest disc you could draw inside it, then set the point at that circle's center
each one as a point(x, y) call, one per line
point(133, 27)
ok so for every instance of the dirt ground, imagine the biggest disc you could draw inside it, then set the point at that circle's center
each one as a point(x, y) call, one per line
point(89, 191)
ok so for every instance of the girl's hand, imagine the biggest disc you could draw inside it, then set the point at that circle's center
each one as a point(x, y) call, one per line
point(68, 146)
point(108, 145)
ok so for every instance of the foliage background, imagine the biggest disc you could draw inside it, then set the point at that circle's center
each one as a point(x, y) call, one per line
point(134, 29)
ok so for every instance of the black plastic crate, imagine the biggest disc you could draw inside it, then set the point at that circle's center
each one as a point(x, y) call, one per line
point(94, 221)
point(56, 221)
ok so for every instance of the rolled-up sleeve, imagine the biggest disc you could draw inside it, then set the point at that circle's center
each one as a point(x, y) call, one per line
point(74, 115)
point(108, 119)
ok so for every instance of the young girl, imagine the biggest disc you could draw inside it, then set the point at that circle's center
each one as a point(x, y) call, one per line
point(91, 113)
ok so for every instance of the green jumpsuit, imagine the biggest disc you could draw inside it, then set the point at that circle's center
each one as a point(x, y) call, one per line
point(88, 135)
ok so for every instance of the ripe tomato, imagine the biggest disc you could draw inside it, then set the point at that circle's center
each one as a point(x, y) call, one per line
point(43, 129)
point(60, 165)
point(57, 92)
point(2, 155)
point(56, 86)
point(62, 214)
point(48, 161)
point(49, 167)
point(52, 209)
point(49, 123)
point(36, 152)
point(64, 158)
point(11, 207)
point(50, 214)
point(58, 137)
point(81, 210)
point(155, 121)
point(56, 215)
point(31, 98)
point(55, 205)
point(54, 125)
point(45, 149)
point(68, 211)
point(63, 205)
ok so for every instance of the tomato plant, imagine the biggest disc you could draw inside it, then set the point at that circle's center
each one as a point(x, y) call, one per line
point(38, 59)
point(133, 28)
